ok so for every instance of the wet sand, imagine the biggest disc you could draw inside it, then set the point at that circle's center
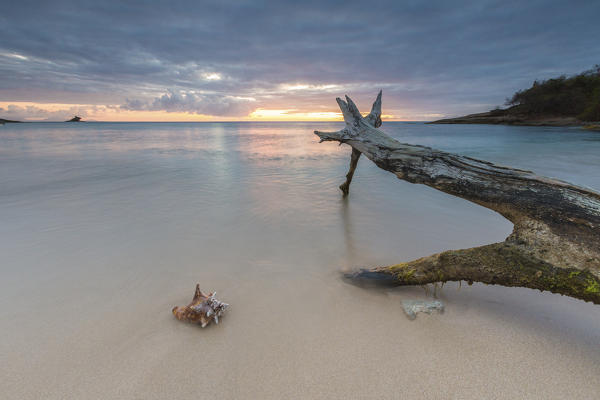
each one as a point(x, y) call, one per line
point(302, 336)
point(99, 246)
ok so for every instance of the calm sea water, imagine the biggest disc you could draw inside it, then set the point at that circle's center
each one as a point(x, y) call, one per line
point(105, 226)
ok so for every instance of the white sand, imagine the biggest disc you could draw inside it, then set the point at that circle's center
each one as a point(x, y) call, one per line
point(287, 337)
point(102, 233)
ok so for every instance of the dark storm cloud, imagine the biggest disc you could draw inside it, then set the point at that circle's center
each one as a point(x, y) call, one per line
point(444, 57)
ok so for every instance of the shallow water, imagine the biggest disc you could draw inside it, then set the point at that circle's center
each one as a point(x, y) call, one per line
point(106, 226)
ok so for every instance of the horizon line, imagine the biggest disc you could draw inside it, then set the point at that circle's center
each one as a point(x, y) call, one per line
point(198, 122)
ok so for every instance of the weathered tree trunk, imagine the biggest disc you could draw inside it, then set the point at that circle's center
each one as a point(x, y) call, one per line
point(555, 243)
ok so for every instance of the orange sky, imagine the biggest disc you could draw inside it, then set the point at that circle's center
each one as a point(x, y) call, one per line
point(57, 112)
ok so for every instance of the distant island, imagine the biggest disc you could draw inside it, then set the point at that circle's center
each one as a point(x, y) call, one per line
point(562, 101)
point(8, 121)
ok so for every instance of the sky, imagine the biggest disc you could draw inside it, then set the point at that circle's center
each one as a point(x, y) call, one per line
point(282, 60)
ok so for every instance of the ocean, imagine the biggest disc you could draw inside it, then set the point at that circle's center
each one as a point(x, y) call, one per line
point(105, 227)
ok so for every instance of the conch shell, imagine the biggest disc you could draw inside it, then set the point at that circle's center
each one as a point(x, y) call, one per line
point(202, 309)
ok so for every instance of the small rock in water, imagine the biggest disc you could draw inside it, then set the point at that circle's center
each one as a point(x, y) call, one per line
point(412, 307)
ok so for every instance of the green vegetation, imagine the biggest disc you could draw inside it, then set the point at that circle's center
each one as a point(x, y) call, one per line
point(592, 127)
point(577, 96)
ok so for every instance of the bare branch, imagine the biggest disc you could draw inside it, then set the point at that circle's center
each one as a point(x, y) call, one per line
point(556, 224)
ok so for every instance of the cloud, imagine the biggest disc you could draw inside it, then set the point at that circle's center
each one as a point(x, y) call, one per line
point(35, 113)
point(436, 57)
point(190, 102)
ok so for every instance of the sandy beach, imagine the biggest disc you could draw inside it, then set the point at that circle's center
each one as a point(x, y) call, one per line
point(107, 227)
point(298, 335)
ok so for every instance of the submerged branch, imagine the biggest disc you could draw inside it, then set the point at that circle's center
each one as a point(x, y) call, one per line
point(345, 187)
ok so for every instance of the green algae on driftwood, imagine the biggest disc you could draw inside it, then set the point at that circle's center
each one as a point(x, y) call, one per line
point(555, 243)
point(592, 128)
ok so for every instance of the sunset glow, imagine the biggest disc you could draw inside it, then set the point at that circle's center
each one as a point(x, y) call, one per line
point(190, 65)
point(37, 112)
point(294, 115)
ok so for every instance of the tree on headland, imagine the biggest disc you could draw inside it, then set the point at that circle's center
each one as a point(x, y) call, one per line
point(562, 101)
point(577, 96)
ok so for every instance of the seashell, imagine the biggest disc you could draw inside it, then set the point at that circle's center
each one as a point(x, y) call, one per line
point(203, 309)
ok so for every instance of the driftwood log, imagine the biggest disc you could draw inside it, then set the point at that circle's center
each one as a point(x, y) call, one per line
point(555, 243)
